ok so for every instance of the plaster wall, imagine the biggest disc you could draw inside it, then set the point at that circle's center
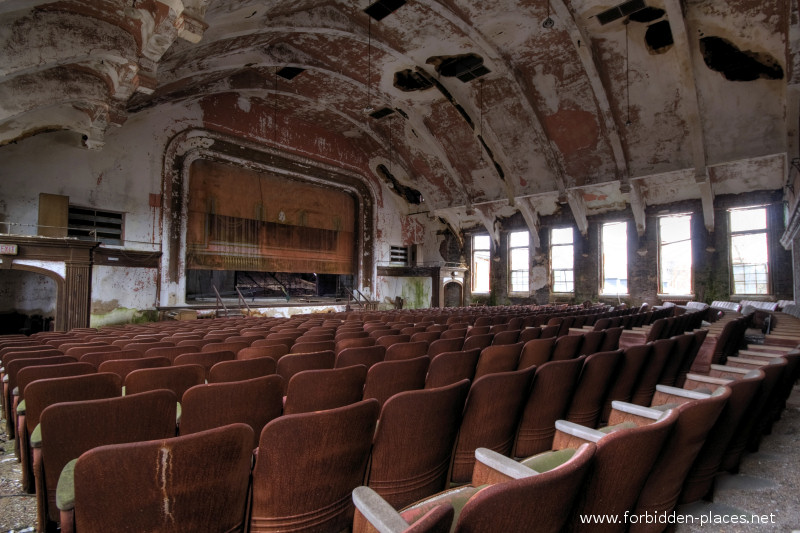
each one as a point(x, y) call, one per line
point(125, 295)
point(415, 291)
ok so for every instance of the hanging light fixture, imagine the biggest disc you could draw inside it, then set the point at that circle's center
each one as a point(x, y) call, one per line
point(548, 22)
point(627, 77)
point(368, 108)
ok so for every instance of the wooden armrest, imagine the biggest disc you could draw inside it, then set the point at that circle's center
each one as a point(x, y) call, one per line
point(376, 510)
point(571, 435)
point(700, 378)
point(491, 467)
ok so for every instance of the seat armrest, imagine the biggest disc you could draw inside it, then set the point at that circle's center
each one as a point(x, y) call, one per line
point(65, 490)
point(491, 467)
point(571, 435)
point(629, 412)
point(700, 378)
point(666, 394)
point(376, 511)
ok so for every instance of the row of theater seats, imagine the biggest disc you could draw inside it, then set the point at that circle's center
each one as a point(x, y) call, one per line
point(586, 366)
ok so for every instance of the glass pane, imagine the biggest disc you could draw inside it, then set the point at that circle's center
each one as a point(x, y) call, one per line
point(750, 248)
point(748, 219)
point(480, 242)
point(519, 281)
point(562, 281)
point(519, 259)
point(561, 236)
point(673, 229)
point(480, 271)
point(615, 258)
point(676, 268)
point(561, 257)
point(518, 238)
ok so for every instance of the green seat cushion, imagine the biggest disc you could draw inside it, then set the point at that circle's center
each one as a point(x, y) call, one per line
point(545, 461)
point(36, 437)
point(65, 490)
point(21, 408)
point(621, 425)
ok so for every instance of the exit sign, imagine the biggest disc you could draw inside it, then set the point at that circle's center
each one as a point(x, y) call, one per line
point(9, 249)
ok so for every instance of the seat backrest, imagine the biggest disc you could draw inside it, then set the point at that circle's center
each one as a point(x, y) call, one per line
point(663, 351)
point(178, 379)
point(622, 463)
point(507, 506)
point(451, 367)
point(498, 358)
point(204, 359)
point(567, 347)
point(30, 374)
point(274, 352)
point(126, 487)
point(528, 334)
point(225, 346)
point(690, 355)
point(291, 364)
point(427, 336)
point(509, 336)
point(317, 390)
point(536, 352)
point(253, 402)
point(550, 331)
point(414, 441)
point(492, 411)
point(387, 378)
point(405, 350)
point(241, 369)
point(312, 347)
point(548, 401)
point(14, 366)
point(592, 340)
point(389, 340)
point(593, 385)
point(362, 355)
point(123, 367)
point(700, 479)
point(71, 428)
point(170, 352)
point(97, 358)
point(696, 419)
point(442, 345)
point(308, 465)
point(611, 339)
point(633, 360)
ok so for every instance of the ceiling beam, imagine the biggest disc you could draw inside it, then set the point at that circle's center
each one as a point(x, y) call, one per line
point(531, 217)
point(690, 102)
point(638, 205)
point(578, 207)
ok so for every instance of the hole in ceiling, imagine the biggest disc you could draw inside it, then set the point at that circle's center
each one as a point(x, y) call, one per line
point(411, 195)
point(465, 67)
point(622, 10)
point(738, 65)
point(408, 80)
point(659, 37)
point(383, 8)
point(648, 14)
point(382, 112)
point(289, 72)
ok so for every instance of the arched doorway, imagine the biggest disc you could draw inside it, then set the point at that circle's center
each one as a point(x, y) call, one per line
point(30, 299)
point(453, 294)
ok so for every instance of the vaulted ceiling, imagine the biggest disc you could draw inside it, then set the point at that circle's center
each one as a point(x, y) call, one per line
point(467, 109)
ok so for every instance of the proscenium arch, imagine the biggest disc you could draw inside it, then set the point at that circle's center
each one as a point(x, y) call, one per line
point(194, 144)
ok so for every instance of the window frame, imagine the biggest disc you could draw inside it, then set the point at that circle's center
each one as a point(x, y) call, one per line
point(661, 245)
point(571, 244)
point(759, 231)
point(473, 269)
point(601, 290)
point(527, 270)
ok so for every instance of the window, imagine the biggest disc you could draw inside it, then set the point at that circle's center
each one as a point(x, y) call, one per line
point(614, 242)
point(749, 253)
point(481, 255)
point(561, 253)
point(675, 254)
point(89, 224)
point(519, 260)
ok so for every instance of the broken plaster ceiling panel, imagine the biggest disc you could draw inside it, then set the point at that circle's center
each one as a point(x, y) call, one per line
point(669, 187)
point(739, 65)
point(761, 173)
point(457, 138)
